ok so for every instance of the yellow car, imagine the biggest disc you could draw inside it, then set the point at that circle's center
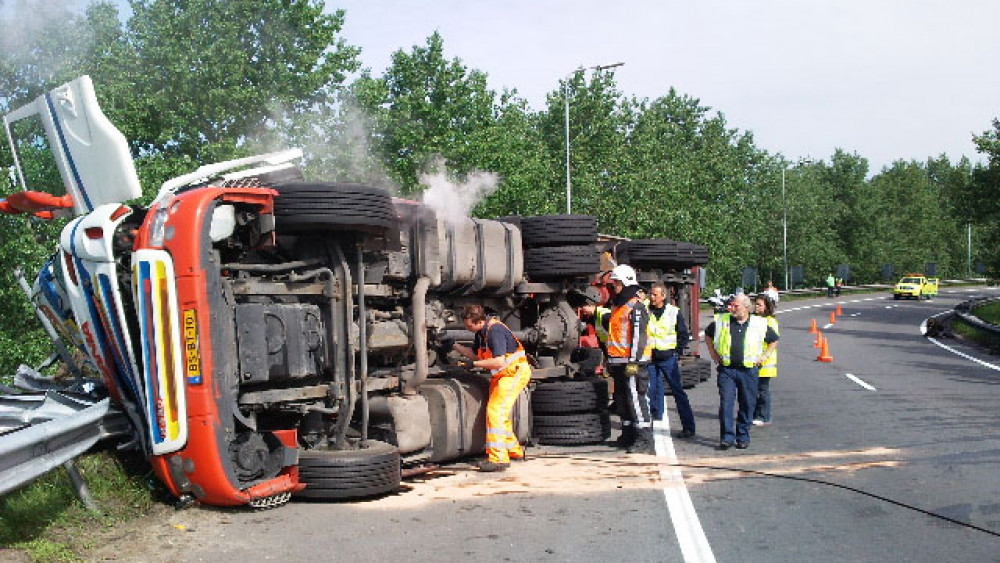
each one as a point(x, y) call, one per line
point(915, 286)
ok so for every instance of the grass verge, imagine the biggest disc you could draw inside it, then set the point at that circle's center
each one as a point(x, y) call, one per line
point(46, 521)
point(989, 312)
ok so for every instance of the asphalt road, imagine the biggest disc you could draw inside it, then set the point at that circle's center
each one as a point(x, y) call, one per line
point(845, 473)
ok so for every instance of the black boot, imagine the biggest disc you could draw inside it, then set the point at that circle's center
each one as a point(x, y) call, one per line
point(627, 437)
point(643, 443)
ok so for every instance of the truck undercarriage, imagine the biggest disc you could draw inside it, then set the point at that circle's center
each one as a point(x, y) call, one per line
point(270, 336)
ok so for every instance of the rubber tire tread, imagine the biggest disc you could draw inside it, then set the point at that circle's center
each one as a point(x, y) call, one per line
point(350, 474)
point(558, 230)
point(569, 397)
point(663, 253)
point(572, 429)
point(324, 206)
point(561, 261)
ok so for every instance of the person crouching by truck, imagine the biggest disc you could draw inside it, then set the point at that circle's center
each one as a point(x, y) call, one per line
point(497, 349)
point(628, 356)
point(736, 342)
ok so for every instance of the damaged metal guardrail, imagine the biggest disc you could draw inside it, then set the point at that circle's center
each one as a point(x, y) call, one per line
point(47, 426)
point(34, 450)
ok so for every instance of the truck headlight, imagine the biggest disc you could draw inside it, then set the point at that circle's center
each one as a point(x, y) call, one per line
point(158, 230)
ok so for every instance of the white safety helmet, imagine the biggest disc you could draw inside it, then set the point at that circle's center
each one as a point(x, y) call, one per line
point(625, 274)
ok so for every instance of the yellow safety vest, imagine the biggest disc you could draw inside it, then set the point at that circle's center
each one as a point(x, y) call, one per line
point(770, 366)
point(753, 340)
point(599, 314)
point(663, 331)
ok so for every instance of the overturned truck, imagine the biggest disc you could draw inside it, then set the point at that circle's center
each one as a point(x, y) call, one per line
point(269, 336)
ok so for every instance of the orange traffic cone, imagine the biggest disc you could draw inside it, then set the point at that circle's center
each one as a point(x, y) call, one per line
point(819, 339)
point(833, 318)
point(824, 355)
point(812, 329)
point(839, 310)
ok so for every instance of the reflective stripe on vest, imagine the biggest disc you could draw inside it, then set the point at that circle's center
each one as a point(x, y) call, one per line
point(510, 360)
point(753, 339)
point(770, 366)
point(663, 331)
point(621, 334)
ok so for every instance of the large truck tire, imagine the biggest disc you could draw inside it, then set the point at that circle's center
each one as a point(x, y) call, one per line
point(662, 253)
point(571, 429)
point(569, 397)
point(558, 230)
point(349, 474)
point(325, 206)
point(561, 261)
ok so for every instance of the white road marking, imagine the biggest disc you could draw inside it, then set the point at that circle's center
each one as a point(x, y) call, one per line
point(855, 379)
point(923, 330)
point(690, 535)
point(827, 325)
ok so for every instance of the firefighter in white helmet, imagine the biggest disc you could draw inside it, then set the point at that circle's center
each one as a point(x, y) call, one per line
point(628, 355)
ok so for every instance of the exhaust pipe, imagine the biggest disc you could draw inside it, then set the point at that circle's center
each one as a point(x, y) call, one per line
point(419, 335)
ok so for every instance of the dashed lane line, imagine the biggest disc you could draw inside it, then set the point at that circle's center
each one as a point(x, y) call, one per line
point(858, 380)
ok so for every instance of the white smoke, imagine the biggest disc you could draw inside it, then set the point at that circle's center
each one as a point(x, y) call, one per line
point(454, 200)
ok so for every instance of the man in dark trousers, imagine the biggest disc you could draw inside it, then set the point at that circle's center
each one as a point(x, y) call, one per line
point(628, 356)
point(736, 342)
point(668, 335)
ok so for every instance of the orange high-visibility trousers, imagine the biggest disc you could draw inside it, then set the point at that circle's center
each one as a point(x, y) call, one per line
point(501, 442)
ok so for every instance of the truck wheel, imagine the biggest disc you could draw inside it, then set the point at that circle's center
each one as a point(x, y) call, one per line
point(558, 230)
point(561, 261)
point(662, 253)
point(349, 474)
point(571, 429)
point(567, 397)
point(325, 206)
point(895, 296)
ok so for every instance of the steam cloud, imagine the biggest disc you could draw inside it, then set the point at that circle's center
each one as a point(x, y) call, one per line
point(454, 200)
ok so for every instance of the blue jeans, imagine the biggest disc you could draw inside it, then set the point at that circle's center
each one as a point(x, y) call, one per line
point(763, 409)
point(736, 384)
point(668, 370)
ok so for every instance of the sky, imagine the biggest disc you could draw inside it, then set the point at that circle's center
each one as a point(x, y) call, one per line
point(886, 79)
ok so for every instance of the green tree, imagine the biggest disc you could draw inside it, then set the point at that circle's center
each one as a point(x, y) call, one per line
point(984, 193)
point(425, 107)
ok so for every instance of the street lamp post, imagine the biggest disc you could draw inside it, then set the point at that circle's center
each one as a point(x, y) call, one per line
point(784, 227)
point(569, 184)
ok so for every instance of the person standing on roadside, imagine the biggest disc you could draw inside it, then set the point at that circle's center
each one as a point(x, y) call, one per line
point(668, 336)
point(764, 307)
point(736, 342)
point(628, 356)
point(497, 349)
point(772, 292)
point(831, 284)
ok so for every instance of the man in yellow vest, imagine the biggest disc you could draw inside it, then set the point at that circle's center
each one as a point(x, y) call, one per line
point(668, 335)
point(628, 355)
point(736, 342)
point(497, 349)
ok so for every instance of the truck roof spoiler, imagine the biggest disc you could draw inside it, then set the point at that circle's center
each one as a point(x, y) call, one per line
point(272, 161)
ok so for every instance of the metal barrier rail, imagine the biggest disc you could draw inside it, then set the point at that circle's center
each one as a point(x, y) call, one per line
point(28, 453)
point(964, 312)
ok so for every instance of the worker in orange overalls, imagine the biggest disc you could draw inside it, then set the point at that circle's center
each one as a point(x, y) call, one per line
point(497, 349)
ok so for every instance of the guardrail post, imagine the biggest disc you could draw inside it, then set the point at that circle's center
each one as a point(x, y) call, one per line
point(82, 490)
